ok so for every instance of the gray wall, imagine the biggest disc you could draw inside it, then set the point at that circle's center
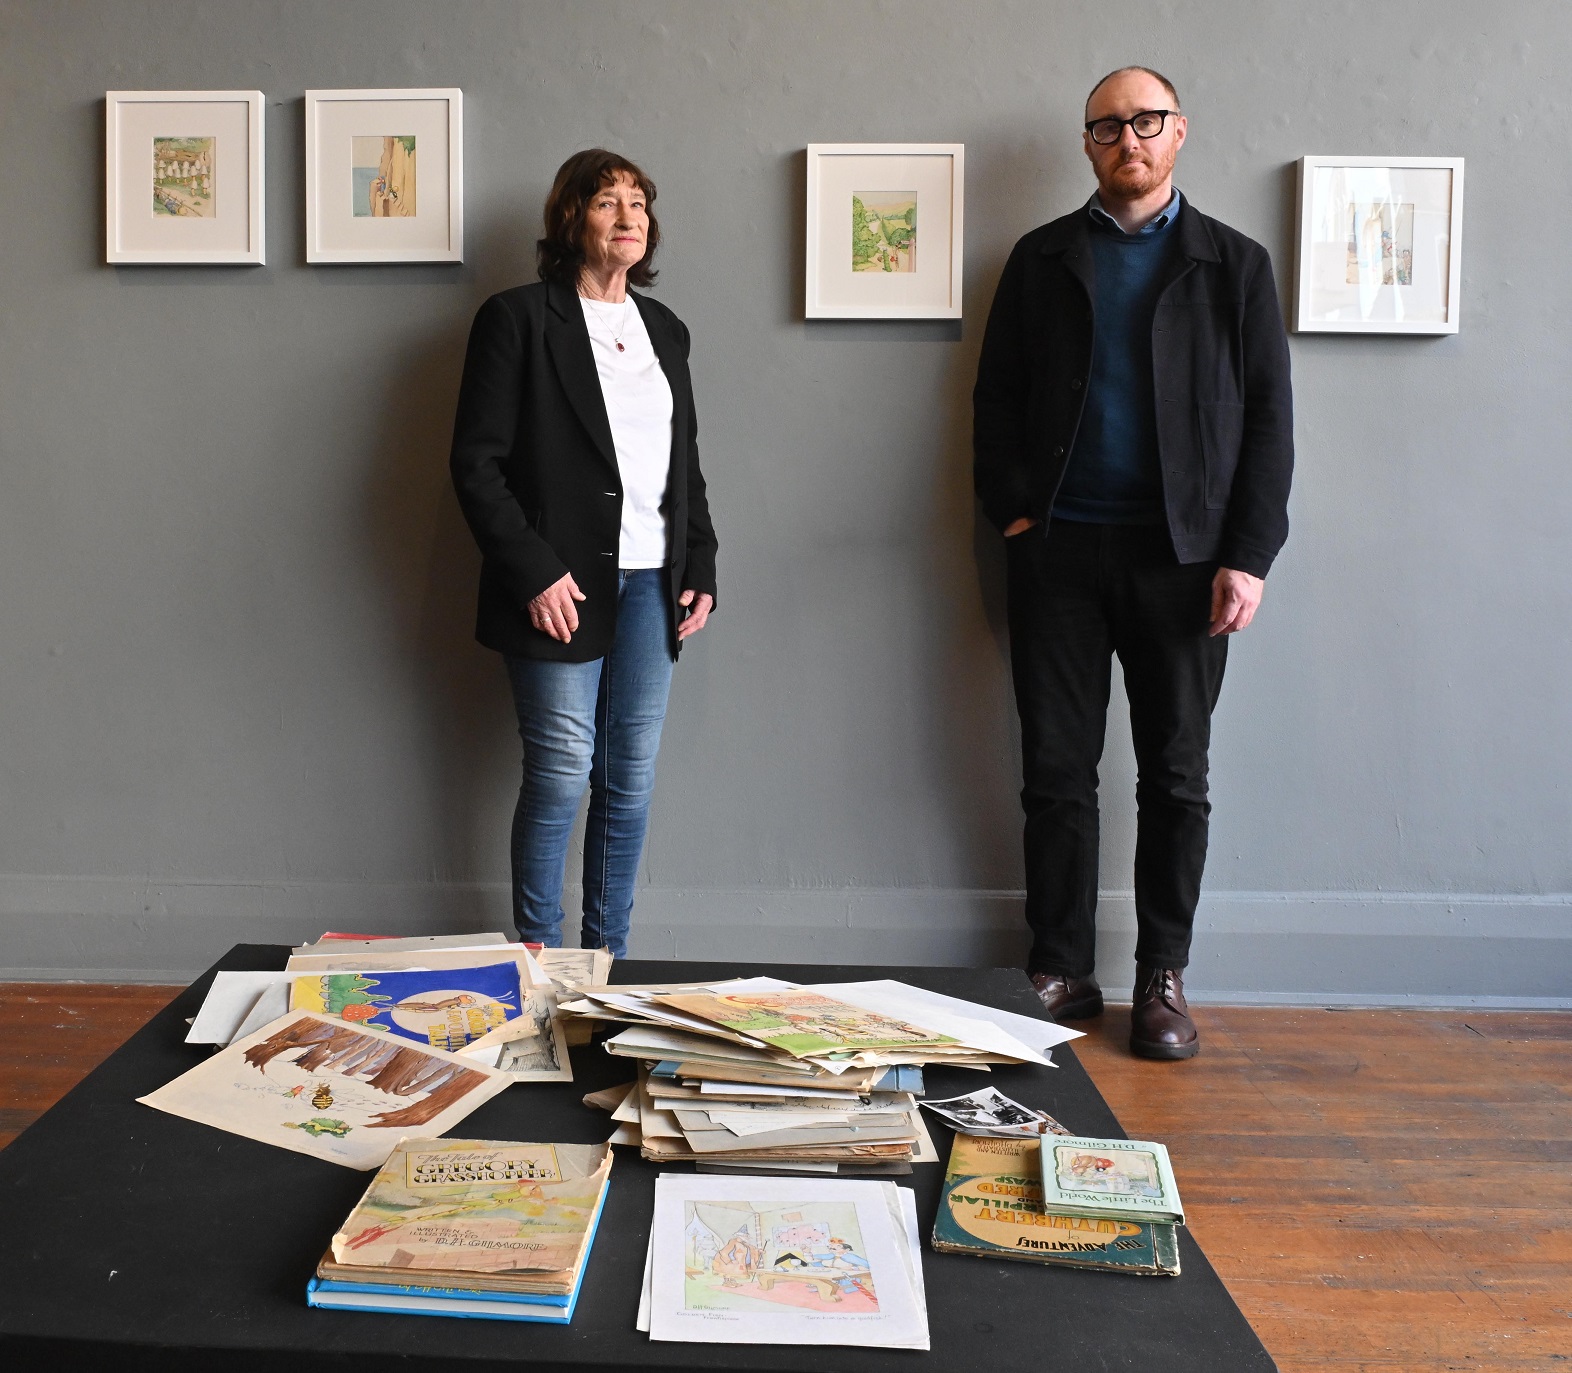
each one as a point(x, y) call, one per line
point(238, 695)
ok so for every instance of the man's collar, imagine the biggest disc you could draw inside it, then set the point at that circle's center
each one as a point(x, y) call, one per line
point(1100, 216)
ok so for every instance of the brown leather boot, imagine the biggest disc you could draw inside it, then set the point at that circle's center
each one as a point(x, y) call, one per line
point(1160, 1024)
point(1068, 998)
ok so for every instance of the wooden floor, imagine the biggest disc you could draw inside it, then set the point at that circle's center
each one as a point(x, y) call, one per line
point(1381, 1190)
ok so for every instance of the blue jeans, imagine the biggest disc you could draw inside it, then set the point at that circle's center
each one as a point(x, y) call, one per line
point(598, 722)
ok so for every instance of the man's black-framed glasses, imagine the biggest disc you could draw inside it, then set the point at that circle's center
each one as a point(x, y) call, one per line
point(1147, 124)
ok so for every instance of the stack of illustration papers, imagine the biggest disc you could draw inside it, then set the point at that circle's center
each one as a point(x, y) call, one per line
point(757, 1074)
point(754, 1129)
point(322, 1087)
point(992, 1207)
point(804, 1261)
point(470, 1228)
point(449, 978)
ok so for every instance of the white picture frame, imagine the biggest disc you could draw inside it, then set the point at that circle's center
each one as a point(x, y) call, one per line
point(385, 175)
point(183, 178)
point(869, 273)
point(1380, 247)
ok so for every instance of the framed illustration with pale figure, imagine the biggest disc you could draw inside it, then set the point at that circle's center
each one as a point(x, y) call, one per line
point(183, 177)
point(884, 230)
point(385, 175)
point(1380, 245)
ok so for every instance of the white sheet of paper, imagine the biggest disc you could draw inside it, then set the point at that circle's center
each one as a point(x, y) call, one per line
point(768, 1125)
point(269, 1005)
point(411, 944)
point(228, 1000)
point(1039, 1035)
point(749, 1089)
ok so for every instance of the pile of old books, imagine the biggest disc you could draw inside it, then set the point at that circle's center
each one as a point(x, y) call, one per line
point(759, 1075)
point(1055, 1198)
point(453, 1227)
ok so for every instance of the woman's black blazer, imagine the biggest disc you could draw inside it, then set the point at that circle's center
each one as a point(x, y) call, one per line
point(536, 473)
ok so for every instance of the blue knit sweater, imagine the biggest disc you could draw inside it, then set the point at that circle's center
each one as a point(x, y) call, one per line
point(1113, 475)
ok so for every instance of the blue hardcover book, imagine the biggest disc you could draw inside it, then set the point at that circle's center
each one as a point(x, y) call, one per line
point(903, 1077)
point(332, 1296)
point(402, 1289)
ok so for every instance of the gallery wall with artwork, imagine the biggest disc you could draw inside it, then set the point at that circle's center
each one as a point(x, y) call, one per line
point(240, 697)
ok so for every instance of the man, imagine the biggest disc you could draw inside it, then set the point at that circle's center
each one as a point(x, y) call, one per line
point(1134, 444)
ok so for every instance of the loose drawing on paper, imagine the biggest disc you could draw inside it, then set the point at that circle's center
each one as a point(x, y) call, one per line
point(1380, 244)
point(744, 1256)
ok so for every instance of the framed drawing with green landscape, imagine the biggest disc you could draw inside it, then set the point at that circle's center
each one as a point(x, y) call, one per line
point(183, 177)
point(1380, 245)
point(884, 230)
point(385, 176)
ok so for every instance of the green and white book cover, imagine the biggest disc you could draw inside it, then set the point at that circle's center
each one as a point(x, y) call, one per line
point(1084, 1176)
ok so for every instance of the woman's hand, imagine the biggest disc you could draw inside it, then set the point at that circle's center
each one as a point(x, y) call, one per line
point(699, 603)
point(553, 612)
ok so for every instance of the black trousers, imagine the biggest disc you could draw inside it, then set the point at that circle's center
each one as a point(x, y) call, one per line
point(1078, 595)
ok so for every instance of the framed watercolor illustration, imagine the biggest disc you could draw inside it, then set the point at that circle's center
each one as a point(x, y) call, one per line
point(1380, 245)
point(183, 177)
point(385, 176)
point(885, 230)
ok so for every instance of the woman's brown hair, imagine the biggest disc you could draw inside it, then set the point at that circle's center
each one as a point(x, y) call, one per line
point(560, 254)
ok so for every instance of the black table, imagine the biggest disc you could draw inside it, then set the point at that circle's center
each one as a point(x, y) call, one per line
point(131, 1239)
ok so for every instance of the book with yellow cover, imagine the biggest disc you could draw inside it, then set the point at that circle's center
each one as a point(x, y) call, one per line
point(501, 1215)
point(992, 1206)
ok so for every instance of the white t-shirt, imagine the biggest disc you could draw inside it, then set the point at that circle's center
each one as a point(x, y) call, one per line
point(639, 406)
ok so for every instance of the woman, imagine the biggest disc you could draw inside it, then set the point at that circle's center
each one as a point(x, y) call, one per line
point(575, 462)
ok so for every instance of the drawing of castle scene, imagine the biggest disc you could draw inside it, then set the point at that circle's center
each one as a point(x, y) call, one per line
point(738, 1257)
point(183, 177)
point(383, 177)
point(884, 231)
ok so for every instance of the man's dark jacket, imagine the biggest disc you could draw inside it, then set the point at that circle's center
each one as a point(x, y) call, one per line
point(1220, 367)
point(536, 472)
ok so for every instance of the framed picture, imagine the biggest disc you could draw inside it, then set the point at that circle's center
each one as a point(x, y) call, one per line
point(1380, 245)
point(183, 177)
point(885, 230)
point(385, 176)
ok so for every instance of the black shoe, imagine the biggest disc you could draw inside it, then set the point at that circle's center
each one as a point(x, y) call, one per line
point(1068, 998)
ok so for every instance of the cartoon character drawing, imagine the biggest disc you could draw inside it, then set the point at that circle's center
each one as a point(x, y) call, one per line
point(318, 1126)
point(1094, 1164)
point(737, 1261)
point(851, 1269)
point(447, 1003)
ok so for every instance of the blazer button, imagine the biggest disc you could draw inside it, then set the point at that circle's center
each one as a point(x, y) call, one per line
point(1076, 384)
point(1058, 452)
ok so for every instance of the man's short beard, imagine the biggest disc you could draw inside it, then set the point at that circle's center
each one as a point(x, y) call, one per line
point(1153, 174)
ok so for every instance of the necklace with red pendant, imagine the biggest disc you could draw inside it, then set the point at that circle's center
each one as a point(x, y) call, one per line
point(616, 334)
